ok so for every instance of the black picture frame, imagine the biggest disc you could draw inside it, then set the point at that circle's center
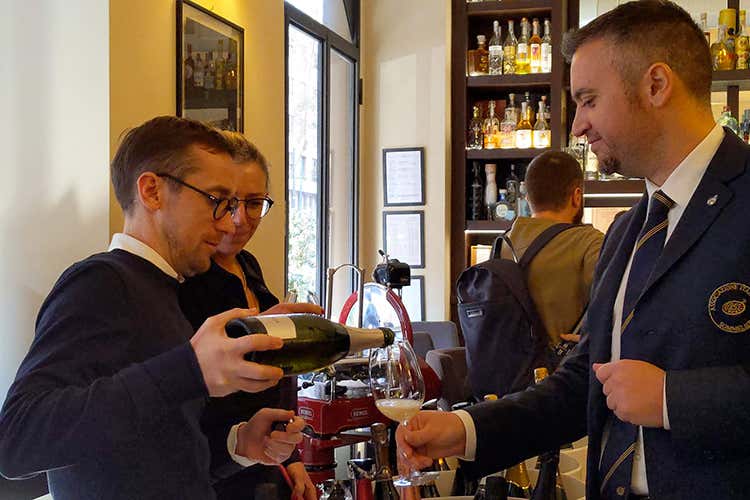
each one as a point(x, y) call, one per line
point(199, 31)
point(415, 281)
point(406, 179)
point(403, 222)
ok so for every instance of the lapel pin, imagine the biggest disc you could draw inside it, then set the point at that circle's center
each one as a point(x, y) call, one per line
point(712, 200)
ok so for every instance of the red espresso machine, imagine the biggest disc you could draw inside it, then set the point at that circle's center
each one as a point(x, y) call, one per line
point(336, 402)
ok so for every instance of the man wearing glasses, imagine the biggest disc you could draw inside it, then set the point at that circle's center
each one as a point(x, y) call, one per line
point(108, 400)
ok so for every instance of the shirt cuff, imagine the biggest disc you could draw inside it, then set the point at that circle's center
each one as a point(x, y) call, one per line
point(664, 412)
point(470, 452)
point(232, 447)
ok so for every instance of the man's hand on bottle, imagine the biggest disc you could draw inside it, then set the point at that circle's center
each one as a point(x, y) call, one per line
point(257, 440)
point(296, 308)
point(221, 358)
point(430, 435)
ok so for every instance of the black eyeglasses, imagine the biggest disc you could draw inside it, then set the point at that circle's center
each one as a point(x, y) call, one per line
point(222, 206)
point(255, 208)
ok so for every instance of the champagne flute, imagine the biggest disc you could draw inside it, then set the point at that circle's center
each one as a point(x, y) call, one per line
point(398, 388)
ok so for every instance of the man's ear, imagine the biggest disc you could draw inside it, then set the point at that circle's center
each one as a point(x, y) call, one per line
point(150, 191)
point(659, 83)
point(577, 198)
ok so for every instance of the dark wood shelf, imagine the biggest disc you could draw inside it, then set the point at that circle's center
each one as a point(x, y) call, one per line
point(509, 7)
point(504, 154)
point(488, 225)
point(616, 186)
point(732, 78)
point(530, 80)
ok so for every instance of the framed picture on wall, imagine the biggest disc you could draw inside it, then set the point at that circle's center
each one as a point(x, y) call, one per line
point(403, 176)
point(210, 67)
point(403, 237)
point(413, 298)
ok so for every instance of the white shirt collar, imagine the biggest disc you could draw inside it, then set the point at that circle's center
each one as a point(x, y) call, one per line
point(135, 246)
point(684, 180)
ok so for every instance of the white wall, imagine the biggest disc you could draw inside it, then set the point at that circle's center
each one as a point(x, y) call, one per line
point(405, 52)
point(54, 135)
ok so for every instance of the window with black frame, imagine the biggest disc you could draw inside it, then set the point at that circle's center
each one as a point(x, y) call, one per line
point(322, 57)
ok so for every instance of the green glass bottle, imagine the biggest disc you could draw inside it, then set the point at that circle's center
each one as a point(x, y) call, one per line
point(310, 342)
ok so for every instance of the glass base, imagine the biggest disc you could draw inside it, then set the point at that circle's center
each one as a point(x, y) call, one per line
point(416, 479)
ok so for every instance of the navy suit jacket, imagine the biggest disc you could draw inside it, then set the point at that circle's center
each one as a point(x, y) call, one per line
point(692, 320)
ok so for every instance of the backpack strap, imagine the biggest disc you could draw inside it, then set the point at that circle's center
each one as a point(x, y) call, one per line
point(541, 241)
point(497, 247)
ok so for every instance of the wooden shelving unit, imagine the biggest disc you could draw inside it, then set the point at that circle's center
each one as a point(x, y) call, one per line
point(469, 20)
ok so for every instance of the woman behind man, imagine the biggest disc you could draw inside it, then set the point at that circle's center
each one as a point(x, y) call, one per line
point(235, 280)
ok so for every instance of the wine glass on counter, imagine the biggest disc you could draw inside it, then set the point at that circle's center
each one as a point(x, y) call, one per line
point(398, 389)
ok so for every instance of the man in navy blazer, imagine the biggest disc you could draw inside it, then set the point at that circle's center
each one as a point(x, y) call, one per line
point(673, 367)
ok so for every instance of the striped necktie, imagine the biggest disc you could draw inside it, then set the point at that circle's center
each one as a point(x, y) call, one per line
point(616, 465)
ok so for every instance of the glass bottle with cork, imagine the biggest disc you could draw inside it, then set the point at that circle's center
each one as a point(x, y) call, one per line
point(491, 129)
point(475, 136)
point(535, 48)
point(546, 47)
point(523, 129)
point(496, 51)
point(522, 49)
point(478, 59)
point(509, 51)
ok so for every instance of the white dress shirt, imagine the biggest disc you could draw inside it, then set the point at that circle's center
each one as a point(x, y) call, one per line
point(679, 186)
point(135, 246)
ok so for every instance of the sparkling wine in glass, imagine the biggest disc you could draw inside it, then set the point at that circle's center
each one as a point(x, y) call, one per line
point(398, 388)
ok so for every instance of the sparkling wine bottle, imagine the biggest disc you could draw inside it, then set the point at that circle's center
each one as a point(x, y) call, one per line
point(384, 488)
point(310, 342)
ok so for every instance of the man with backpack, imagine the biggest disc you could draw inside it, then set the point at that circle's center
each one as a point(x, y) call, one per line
point(560, 275)
point(533, 292)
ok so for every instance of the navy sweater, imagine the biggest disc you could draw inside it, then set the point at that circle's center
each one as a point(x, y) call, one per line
point(108, 399)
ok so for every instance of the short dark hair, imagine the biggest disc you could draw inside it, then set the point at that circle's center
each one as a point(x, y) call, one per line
point(244, 151)
point(644, 32)
point(551, 178)
point(162, 145)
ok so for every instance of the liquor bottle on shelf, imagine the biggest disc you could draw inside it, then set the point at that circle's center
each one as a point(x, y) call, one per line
point(504, 210)
point(720, 55)
point(189, 68)
point(490, 188)
point(496, 50)
point(522, 49)
point(535, 48)
point(592, 163)
point(523, 129)
point(384, 488)
point(541, 136)
point(477, 194)
point(742, 44)
point(478, 59)
point(546, 109)
point(508, 130)
point(209, 78)
point(491, 129)
point(509, 50)
point(199, 73)
point(475, 138)
point(512, 187)
point(546, 48)
point(310, 342)
point(522, 207)
point(220, 66)
point(727, 120)
point(529, 108)
point(512, 107)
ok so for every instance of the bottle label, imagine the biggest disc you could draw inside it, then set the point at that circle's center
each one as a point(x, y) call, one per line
point(522, 50)
point(546, 58)
point(278, 326)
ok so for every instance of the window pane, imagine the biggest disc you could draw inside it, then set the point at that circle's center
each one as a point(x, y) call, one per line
point(330, 13)
point(303, 170)
point(341, 178)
